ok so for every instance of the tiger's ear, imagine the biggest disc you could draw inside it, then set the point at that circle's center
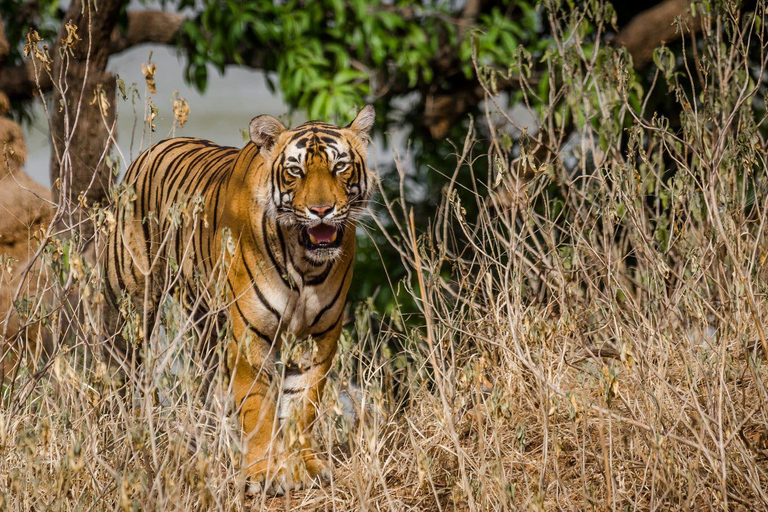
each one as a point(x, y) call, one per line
point(265, 130)
point(363, 121)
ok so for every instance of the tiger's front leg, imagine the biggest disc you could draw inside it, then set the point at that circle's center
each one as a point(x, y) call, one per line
point(302, 391)
point(252, 372)
point(278, 454)
point(256, 400)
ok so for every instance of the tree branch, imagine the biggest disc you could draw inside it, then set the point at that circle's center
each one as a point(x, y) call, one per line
point(18, 82)
point(147, 27)
point(649, 29)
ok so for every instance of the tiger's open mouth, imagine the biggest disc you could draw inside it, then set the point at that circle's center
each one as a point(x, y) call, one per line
point(322, 236)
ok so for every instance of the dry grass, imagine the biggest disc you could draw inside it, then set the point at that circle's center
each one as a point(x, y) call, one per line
point(592, 339)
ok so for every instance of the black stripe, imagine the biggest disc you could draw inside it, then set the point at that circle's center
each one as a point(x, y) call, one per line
point(171, 146)
point(292, 370)
point(335, 297)
point(210, 173)
point(256, 289)
point(143, 206)
point(250, 325)
point(216, 211)
point(171, 191)
point(283, 250)
point(314, 131)
point(171, 176)
point(318, 335)
point(245, 154)
point(137, 165)
point(221, 178)
point(360, 167)
point(281, 270)
point(321, 277)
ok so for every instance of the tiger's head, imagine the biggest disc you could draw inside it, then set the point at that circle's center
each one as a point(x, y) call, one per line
point(319, 180)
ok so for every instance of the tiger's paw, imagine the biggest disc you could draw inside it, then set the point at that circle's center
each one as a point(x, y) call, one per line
point(305, 472)
point(276, 485)
point(318, 470)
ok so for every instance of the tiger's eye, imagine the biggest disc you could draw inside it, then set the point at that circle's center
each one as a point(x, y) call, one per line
point(295, 171)
point(340, 167)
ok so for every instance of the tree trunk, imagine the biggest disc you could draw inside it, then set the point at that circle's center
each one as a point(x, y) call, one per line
point(82, 113)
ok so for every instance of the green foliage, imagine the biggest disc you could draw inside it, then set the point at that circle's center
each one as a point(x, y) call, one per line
point(331, 56)
point(498, 37)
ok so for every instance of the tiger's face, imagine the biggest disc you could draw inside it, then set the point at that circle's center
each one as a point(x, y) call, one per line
point(319, 180)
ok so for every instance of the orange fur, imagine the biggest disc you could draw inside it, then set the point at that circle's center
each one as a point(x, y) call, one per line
point(288, 200)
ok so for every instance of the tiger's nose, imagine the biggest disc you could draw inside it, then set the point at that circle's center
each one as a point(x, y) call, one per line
point(322, 210)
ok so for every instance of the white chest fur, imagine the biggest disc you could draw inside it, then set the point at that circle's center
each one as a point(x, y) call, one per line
point(298, 310)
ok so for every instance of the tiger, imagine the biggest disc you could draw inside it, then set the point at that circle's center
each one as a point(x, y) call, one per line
point(287, 204)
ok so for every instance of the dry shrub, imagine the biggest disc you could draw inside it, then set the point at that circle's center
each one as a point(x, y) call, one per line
point(591, 331)
point(600, 340)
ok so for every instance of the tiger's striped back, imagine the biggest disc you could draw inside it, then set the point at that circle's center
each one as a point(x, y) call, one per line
point(160, 191)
